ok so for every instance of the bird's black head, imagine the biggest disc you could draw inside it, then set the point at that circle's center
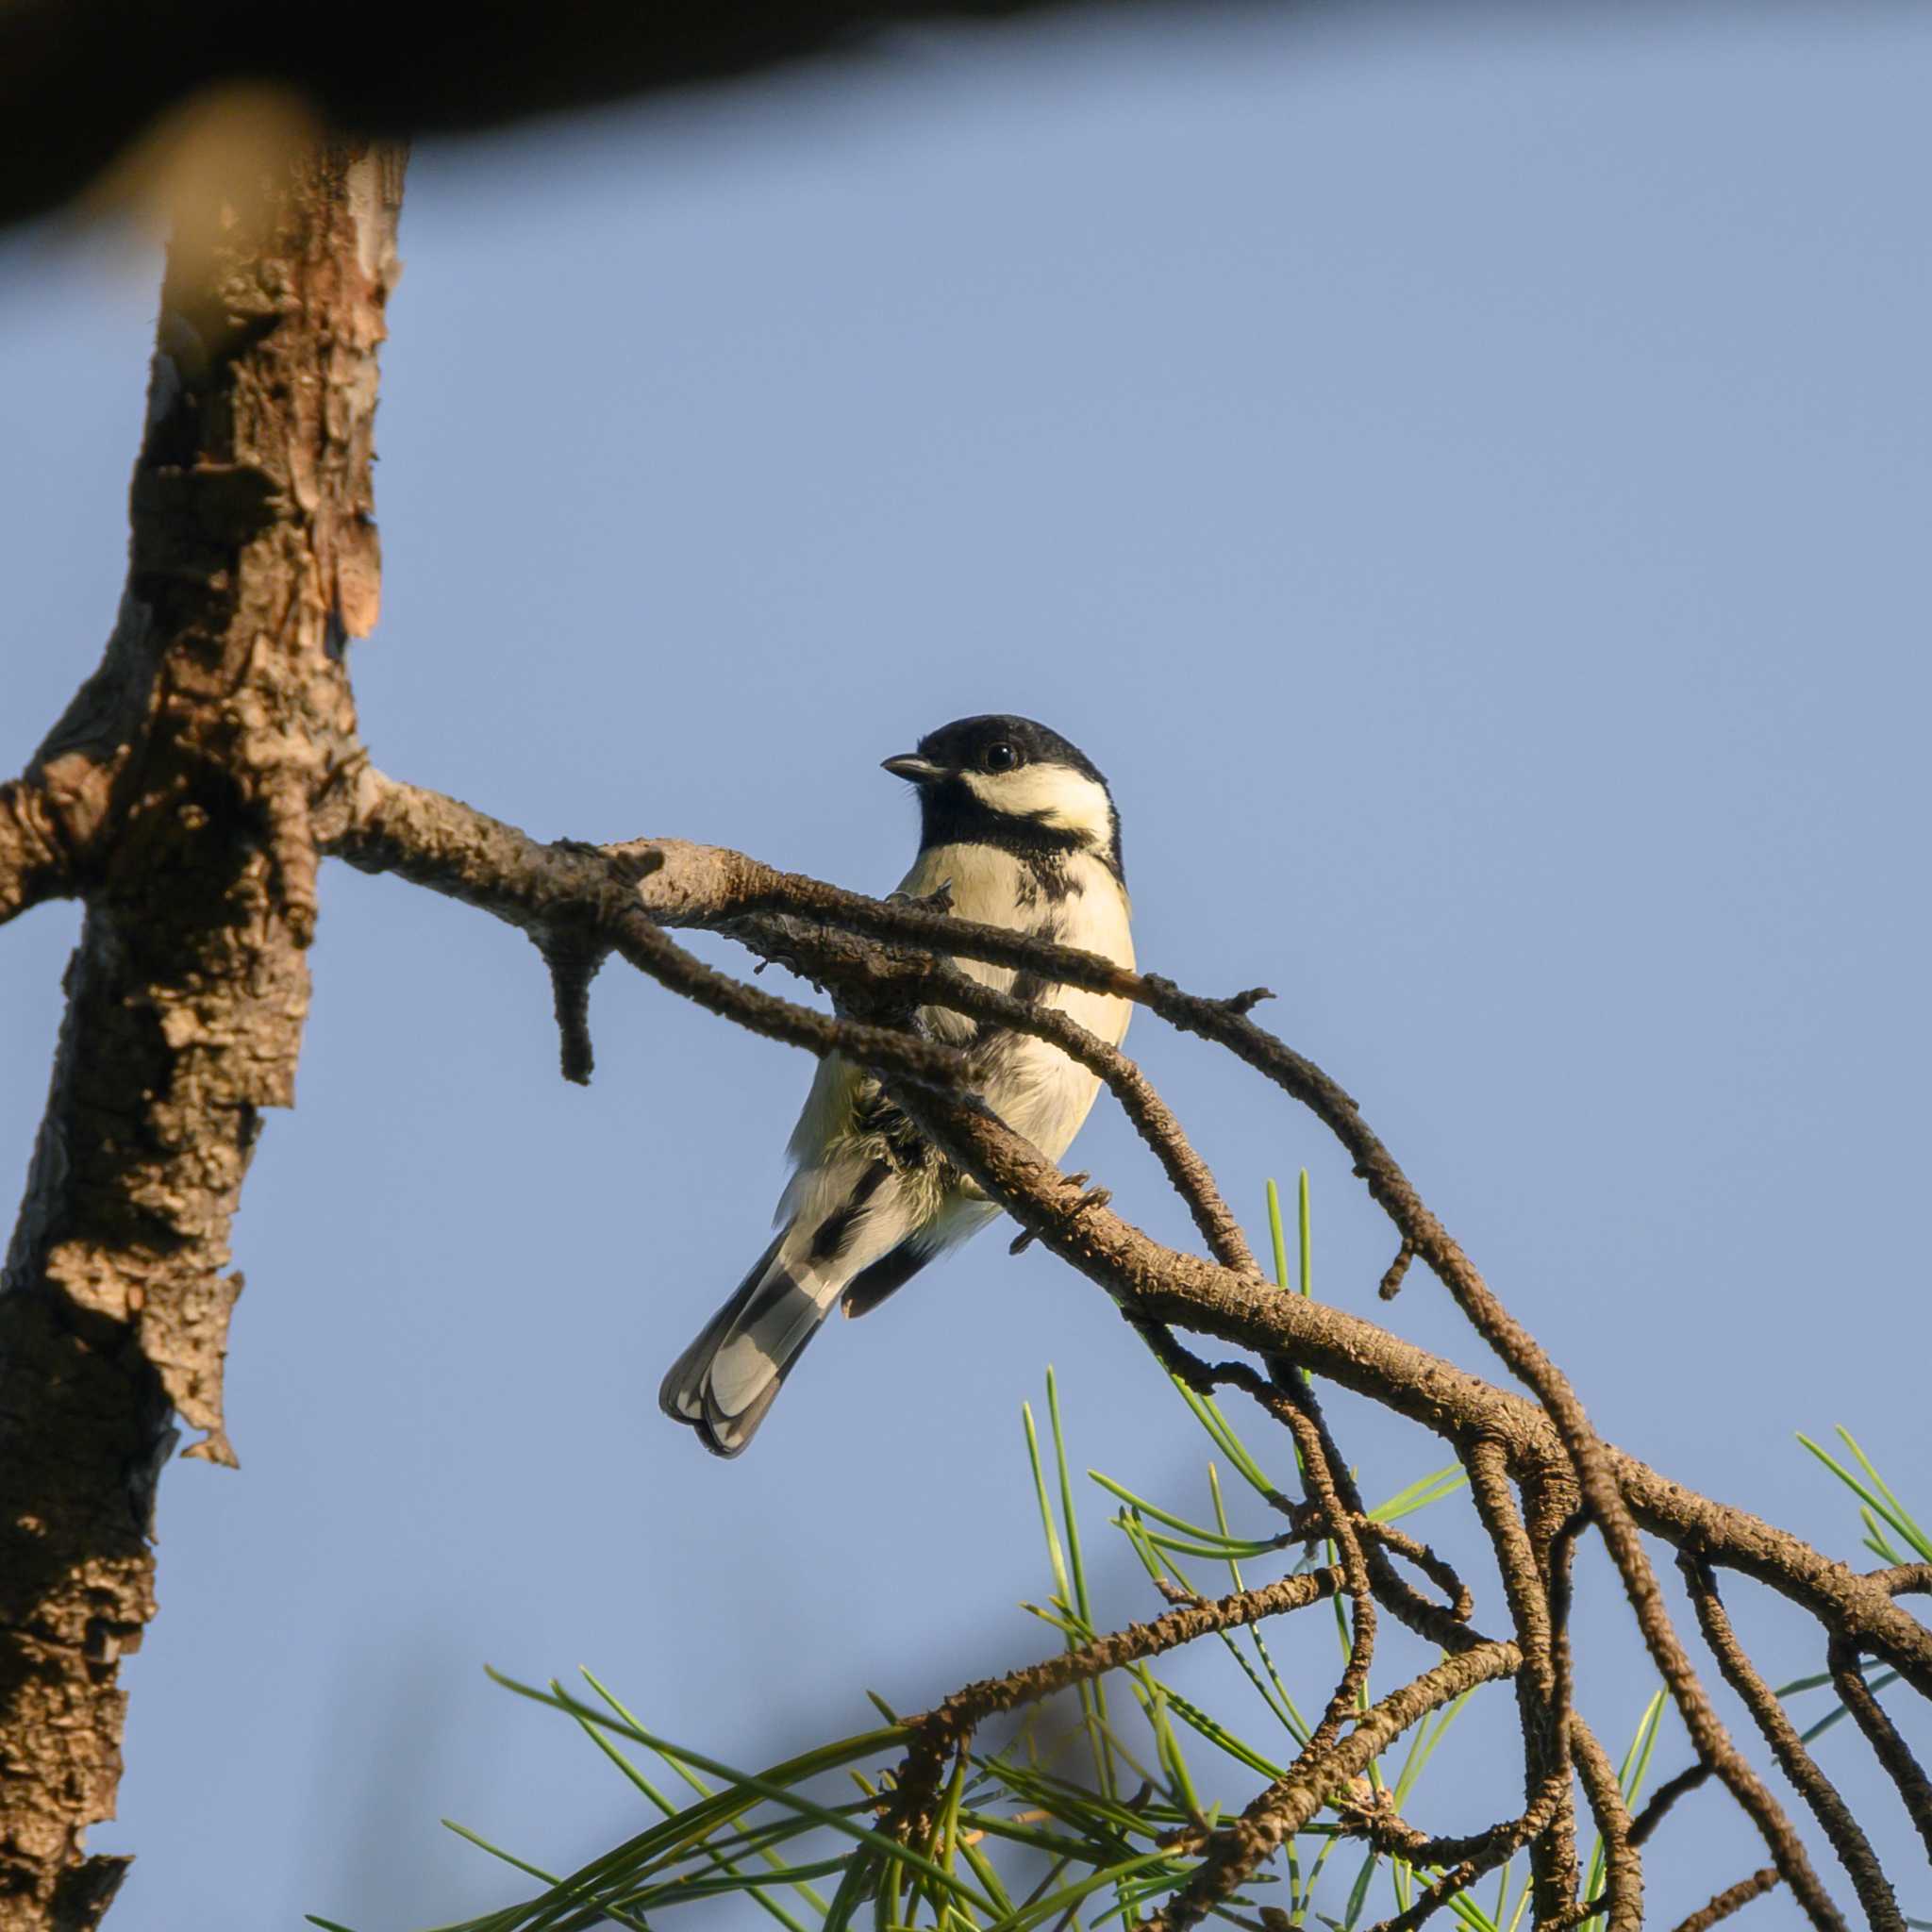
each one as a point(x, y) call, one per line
point(1007, 781)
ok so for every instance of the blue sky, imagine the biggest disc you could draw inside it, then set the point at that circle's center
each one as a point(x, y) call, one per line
point(1464, 477)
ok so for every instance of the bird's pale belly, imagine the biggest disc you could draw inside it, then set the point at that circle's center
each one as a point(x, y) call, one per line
point(1029, 1083)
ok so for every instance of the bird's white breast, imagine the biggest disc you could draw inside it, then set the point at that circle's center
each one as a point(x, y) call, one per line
point(1031, 1085)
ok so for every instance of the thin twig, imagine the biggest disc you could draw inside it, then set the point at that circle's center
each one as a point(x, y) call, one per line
point(1298, 1411)
point(1667, 1794)
point(949, 1726)
point(1236, 1851)
point(1151, 1118)
point(573, 958)
point(1725, 1902)
point(1467, 1859)
point(1391, 1285)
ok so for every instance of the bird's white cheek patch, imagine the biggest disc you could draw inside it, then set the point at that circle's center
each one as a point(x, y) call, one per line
point(1056, 795)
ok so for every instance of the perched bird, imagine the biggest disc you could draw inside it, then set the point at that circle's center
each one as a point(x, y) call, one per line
point(1021, 829)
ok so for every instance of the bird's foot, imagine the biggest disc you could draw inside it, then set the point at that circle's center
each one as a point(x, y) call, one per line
point(938, 900)
point(1093, 1197)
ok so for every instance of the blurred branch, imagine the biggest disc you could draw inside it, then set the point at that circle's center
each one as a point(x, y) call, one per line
point(81, 80)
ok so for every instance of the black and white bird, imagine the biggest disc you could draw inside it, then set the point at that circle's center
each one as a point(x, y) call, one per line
point(1021, 829)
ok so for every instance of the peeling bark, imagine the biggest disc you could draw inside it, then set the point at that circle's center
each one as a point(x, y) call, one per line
point(182, 796)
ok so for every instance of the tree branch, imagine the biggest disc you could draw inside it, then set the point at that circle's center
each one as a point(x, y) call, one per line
point(1892, 1750)
point(1847, 1840)
point(1235, 1852)
point(949, 1726)
point(449, 847)
point(180, 795)
point(1735, 1899)
point(886, 958)
point(1542, 1697)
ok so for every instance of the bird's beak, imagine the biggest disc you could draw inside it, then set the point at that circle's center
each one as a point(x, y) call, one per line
point(910, 765)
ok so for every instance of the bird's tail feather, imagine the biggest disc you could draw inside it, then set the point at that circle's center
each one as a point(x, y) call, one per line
point(723, 1383)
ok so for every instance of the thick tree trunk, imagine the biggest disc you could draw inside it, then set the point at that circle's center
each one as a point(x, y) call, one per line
point(182, 797)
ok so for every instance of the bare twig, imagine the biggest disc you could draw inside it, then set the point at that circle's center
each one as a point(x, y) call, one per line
point(1542, 1701)
point(1237, 1850)
point(888, 957)
point(1467, 1858)
point(1189, 1175)
point(1667, 1794)
point(1734, 1899)
point(573, 958)
point(454, 849)
point(949, 1726)
point(1298, 1409)
point(1892, 1751)
point(1847, 1840)
point(1623, 1895)
point(1391, 1279)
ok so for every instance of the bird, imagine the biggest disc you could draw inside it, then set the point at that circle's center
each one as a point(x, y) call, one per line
point(1018, 828)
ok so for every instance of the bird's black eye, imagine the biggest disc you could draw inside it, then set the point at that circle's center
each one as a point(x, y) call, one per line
point(1000, 758)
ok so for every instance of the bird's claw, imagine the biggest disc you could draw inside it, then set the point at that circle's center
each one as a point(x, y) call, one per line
point(1093, 1197)
point(938, 900)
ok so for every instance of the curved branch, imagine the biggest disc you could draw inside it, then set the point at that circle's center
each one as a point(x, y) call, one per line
point(1623, 1893)
point(1666, 1795)
point(1473, 1857)
point(1151, 1118)
point(1734, 1899)
point(1847, 1840)
point(949, 1726)
point(1541, 1690)
point(890, 957)
point(1236, 1851)
point(451, 848)
point(1892, 1751)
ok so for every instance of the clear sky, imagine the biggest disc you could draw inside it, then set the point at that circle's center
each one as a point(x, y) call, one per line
point(1465, 479)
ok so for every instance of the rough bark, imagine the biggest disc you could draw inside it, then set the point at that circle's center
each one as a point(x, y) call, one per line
point(181, 797)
